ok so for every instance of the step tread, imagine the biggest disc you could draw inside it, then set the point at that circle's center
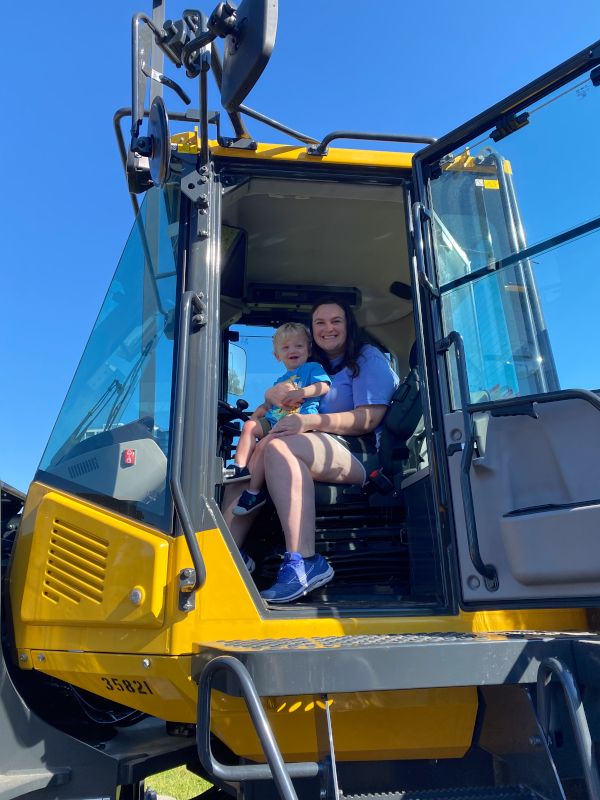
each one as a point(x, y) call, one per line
point(393, 661)
point(459, 793)
point(387, 640)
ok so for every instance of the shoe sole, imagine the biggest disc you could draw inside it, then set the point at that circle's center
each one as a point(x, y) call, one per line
point(236, 480)
point(321, 581)
point(240, 511)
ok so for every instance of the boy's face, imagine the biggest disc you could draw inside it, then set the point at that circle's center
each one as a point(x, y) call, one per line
point(292, 350)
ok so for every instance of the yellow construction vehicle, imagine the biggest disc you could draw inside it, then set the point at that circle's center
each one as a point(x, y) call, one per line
point(453, 654)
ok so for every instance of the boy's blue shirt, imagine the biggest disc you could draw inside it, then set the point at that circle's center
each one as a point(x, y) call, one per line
point(310, 372)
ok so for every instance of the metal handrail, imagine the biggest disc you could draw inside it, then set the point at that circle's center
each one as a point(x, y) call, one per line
point(487, 571)
point(189, 300)
point(321, 148)
point(275, 768)
point(553, 667)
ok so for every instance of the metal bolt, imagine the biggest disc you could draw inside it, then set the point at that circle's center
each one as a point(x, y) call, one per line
point(23, 657)
point(473, 582)
point(186, 573)
point(136, 595)
point(41, 657)
point(146, 663)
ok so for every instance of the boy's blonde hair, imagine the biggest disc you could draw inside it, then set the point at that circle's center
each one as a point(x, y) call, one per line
point(291, 329)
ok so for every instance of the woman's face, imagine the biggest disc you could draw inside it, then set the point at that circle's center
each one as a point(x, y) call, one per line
point(329, 329)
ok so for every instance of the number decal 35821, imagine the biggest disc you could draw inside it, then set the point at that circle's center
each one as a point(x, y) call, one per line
point(124, 685)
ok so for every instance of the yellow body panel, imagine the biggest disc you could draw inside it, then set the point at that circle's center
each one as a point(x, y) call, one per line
point(140, 655)
point(426, 723)
point(74, 549)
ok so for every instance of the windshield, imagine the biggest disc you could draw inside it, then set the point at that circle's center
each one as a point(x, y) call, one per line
point(111, 438)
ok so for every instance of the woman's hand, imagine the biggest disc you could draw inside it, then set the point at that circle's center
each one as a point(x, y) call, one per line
point(275, 395)
point(294, 423)
point(293, 399)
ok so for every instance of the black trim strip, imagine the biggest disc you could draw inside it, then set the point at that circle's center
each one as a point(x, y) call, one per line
point(523, 512)
point(548, 82)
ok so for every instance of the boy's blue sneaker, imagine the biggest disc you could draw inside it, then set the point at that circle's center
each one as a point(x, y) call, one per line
point(234, 473)
point(249, 502)
point(298, 576)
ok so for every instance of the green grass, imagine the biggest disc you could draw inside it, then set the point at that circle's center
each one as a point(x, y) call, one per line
point(179, 783)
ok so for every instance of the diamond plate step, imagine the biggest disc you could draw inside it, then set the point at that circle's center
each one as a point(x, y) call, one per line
point(390, 662)
point(470, 793)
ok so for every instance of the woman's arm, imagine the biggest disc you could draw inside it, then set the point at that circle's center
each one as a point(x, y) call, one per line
point(361, 420)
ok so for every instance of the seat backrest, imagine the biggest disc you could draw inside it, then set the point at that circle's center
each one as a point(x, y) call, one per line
point(401, 419)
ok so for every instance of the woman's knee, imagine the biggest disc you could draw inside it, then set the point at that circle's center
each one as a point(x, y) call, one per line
point(277, 447)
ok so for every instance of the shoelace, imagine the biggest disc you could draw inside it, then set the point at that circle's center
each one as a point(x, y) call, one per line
point(286, 569)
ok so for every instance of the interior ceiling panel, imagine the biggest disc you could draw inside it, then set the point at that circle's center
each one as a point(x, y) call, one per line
point(326, 233)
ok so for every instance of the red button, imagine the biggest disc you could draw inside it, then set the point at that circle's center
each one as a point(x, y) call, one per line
point(128, 457)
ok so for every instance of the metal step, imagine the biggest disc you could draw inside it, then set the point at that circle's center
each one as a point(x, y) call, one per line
point(393, 662)
point(468, 793)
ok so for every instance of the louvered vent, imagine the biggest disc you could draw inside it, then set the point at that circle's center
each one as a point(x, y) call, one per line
point(83, 467)
point(76, 565)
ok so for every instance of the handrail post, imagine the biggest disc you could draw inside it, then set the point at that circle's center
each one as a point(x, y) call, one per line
point(487, 571)
point(189, 300)
point(275, 768)
point(553, 667)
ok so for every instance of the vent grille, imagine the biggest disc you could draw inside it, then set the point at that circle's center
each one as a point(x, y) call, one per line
point(76, 565)
point(83, 467)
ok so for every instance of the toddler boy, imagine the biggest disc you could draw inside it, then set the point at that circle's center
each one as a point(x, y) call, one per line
point(308, 382)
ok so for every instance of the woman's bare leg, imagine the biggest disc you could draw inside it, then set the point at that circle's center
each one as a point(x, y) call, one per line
point(292, 463)
point(238, 526)
point(257, 473)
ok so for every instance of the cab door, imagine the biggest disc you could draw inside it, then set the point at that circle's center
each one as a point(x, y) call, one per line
point(507, 235)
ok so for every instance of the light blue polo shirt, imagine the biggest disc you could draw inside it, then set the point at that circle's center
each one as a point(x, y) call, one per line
point(374, 384)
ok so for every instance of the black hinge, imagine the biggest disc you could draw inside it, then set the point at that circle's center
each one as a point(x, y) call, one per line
point(509, 124)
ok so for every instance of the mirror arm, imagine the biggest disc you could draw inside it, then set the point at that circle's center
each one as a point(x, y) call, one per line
point(235, 118)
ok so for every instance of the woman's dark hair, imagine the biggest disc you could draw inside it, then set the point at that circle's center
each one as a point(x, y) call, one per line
point(354, 339)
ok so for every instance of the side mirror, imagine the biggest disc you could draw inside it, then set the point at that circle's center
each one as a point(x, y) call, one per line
point(236, 370)
point(247, 50)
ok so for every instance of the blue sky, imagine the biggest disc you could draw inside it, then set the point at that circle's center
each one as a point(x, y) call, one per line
point(65, 209)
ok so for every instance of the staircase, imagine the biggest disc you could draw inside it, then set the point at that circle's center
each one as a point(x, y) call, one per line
point(519, 677)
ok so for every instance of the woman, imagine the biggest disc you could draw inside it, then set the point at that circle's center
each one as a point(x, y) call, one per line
point(331, 446)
